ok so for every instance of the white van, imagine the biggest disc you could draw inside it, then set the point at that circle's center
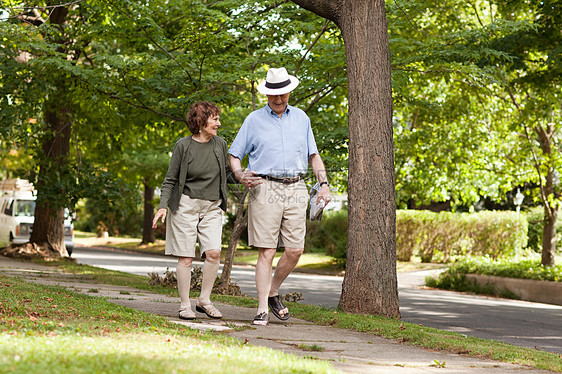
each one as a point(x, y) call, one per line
point(17, 209)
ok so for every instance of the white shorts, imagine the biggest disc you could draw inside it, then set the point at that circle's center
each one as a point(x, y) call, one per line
point(195, 220)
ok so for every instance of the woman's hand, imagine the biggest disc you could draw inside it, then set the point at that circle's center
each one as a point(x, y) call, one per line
point(160, 213)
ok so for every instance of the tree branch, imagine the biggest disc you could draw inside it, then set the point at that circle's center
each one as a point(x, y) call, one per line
point(311, 46)
point(319, 97)
point(148, 35)
point(476, 12)
point(409, 20)
point(536, 162)
point(329, 9)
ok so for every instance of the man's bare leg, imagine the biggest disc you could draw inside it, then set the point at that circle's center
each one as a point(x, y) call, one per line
point(285, 266)
point(263, 277)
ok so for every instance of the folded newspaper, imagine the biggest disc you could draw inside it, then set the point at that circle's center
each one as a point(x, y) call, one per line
point(316, 207)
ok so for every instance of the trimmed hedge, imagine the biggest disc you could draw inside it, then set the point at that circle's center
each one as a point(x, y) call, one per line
point(435, 237)
point(445, 236)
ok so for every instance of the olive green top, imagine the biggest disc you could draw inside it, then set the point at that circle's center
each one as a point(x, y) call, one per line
point(203, 177)
point(175, 178)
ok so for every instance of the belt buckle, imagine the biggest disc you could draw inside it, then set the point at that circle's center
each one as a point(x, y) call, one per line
point(286, 180)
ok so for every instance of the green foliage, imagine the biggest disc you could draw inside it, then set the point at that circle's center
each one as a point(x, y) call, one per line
point(435, 237)
point(521, 267)
point(445, 236)
point(528, 267)
point(328, 236)
point(119, 219)
point(475, 86)
point(444, 150)
point(128, 71)
point(535, 218)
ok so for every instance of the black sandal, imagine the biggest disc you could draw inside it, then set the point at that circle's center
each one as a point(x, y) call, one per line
point(275, 304)
point(261, 319)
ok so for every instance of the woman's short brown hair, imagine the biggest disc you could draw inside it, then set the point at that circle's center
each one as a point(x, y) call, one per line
point(199, 113)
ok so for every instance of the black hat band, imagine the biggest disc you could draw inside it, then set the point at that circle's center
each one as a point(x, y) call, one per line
point(278, 85)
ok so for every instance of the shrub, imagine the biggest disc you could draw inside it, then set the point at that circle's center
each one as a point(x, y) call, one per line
point(524, 267)
point(329, 235)
point(535, 218)
point(445, 236)
point(437, 237)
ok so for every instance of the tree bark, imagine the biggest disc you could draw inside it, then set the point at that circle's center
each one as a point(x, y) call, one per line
point(240, 223)
point(544, 135)
point(147, 230)
point(549, 237)
point(370, 284)
point(328, 9)
point(48, 226)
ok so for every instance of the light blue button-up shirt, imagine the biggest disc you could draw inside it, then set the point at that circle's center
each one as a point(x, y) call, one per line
point(277, 146)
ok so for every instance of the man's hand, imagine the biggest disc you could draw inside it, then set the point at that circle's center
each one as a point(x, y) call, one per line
point(317, 165)
point(160, 213)
point(324, 194)
point(248, 178)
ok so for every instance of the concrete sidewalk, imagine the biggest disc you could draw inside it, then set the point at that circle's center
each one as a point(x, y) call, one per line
point(347, 350)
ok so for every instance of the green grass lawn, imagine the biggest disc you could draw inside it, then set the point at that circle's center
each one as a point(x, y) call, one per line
point(397, 330)
point(53, 330)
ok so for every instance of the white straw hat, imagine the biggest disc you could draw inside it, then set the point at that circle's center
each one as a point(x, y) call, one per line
point(278, 82)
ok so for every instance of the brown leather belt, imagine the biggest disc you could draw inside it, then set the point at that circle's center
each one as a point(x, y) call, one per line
point(285, 180)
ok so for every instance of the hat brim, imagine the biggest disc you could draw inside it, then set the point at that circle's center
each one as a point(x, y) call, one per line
point(279, 91)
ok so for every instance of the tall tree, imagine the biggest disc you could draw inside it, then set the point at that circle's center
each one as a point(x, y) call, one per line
point(531, 82)
point(480, 114)
point(129, 64)
point(444, 149)
point(48, 230)
point(370, 283)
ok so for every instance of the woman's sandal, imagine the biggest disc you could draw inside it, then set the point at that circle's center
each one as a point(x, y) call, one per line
point(276, 305)
point(187, 314)
point(209, 310)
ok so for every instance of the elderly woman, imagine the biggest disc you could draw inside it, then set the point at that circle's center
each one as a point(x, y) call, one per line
point(194, 190)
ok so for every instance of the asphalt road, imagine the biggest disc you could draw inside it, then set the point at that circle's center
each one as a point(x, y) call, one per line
point(515, 322)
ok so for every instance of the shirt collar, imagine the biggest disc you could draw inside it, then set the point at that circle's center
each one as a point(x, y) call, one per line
point(272, 113)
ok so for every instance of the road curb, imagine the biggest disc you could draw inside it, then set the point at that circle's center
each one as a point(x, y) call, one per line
point(526, 289)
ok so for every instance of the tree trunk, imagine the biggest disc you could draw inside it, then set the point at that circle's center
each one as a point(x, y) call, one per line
point(550, 216)
point(549, 237)
point(240, 223)
point(370, 284)
point(48, 226)
point(147, 230)
point(544, 135)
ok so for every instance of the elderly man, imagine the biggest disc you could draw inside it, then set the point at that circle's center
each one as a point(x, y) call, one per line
point(279, 141)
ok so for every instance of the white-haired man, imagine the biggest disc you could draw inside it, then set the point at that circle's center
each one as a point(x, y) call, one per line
point(280, 145)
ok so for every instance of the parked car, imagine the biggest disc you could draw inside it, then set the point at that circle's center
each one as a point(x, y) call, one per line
point(17, 214)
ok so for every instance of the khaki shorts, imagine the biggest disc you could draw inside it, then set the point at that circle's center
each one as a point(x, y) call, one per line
point(277, 215)
point(194, 220)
